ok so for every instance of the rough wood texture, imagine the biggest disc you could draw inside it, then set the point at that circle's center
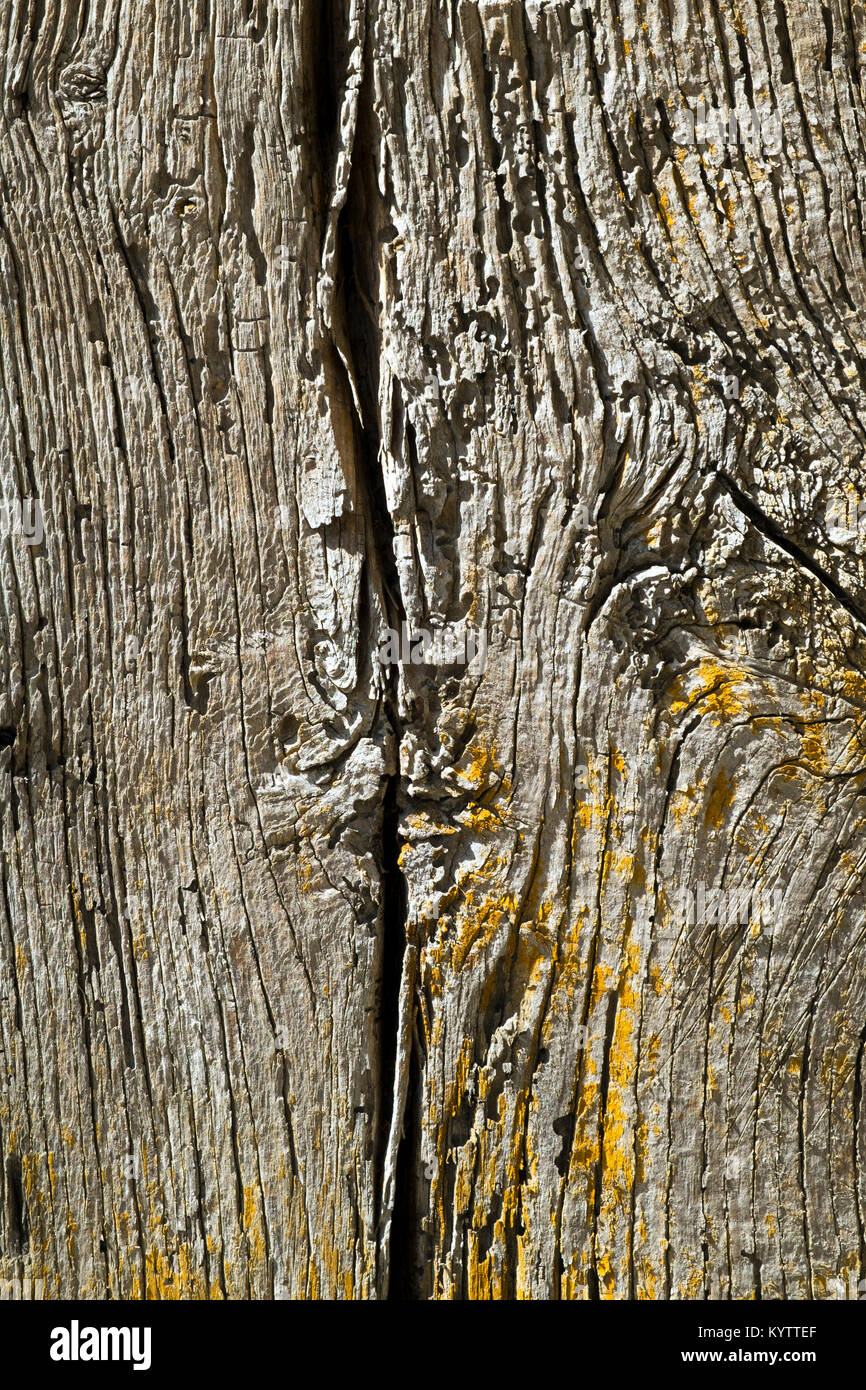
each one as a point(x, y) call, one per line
point(322, 978)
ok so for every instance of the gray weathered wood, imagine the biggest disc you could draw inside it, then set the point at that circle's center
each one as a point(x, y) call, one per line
point(325, 978)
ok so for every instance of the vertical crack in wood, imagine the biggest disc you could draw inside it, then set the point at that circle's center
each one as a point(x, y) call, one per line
point(348, 300)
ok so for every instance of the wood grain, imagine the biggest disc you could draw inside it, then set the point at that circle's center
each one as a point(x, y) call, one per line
point(539, 977)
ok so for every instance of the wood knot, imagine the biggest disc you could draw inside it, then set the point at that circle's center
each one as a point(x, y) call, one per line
point(82, 91)
point(81, 83)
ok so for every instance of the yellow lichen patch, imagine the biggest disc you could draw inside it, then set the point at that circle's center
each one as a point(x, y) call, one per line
point(304, 871)
point(682, 806)
point(478, 924)
point(723, 689)
point(526, 1238)
point(427, 825)
point(641, 1151)
point(339, 1276)
point(478, 817)
point(496, 1158)
point(172, 1277)
point(814, 745)
point(587, 1146)
point(601, 980)
point(617, 1146)
point(853, 688)
point(662, 200)
point(694, 1286)
point(574, 1283)
point(570, 969)
point(646, 1278)
point(626, 866)
point(590, 810)
point(253, 1224)
point(620, 1142)
point(31, 1174)
point(483, 767)
point(720, 798)
point(484, 1276)
point(439, 1119)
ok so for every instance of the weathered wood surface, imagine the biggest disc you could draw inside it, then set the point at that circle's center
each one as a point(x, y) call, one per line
point(320, 978)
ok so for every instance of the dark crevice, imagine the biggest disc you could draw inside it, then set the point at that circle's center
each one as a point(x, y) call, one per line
point(773, 531)
point(114, 937)
point(401, 1277)
point(855, 1144)
point(326, 66)
point(355, 255)
point(357, 333)
point(17, 1225)
point(783, 38)
point(827, 16)
point(592, 1273)
point(564, 1128)
point(246, 170)
point(196, 682)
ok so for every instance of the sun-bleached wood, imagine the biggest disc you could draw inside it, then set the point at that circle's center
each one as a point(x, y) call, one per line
point(323, 978)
